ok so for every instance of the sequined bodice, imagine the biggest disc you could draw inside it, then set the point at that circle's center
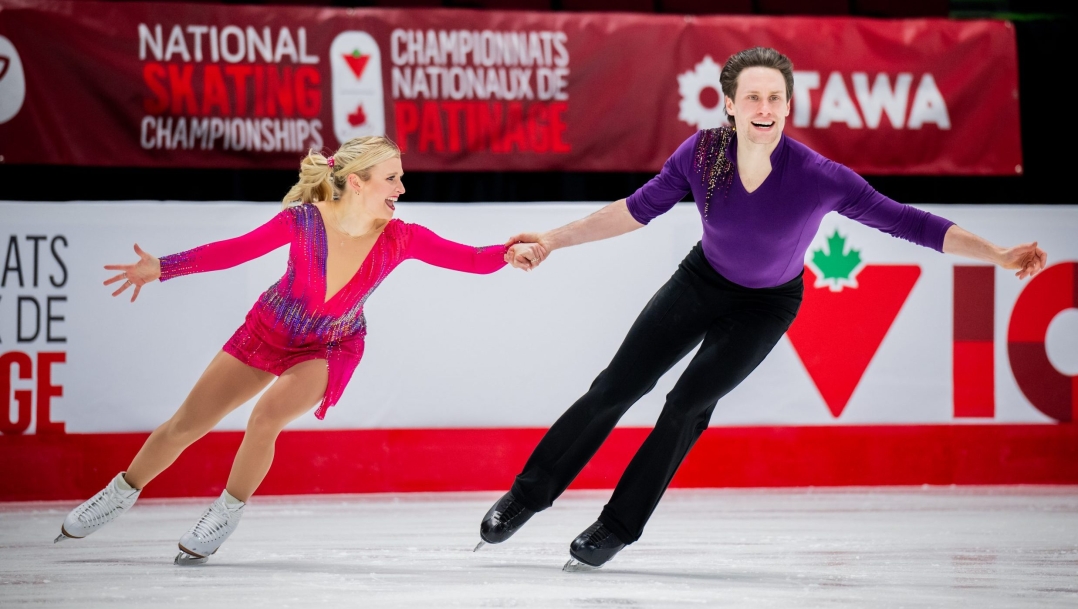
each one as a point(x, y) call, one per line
point(294, 306)
point(297, 299)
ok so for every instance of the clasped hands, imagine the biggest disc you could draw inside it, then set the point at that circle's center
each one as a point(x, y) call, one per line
point(526, 251)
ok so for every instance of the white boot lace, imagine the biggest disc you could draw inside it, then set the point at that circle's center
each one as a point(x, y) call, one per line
point(100, 509)
point(213, 523)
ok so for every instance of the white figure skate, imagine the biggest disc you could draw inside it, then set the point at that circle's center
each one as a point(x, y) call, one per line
point(216, 524)
point(99, 510)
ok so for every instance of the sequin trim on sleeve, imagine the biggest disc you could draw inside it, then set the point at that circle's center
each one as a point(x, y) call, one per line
point(180, 264)
point(712, 161)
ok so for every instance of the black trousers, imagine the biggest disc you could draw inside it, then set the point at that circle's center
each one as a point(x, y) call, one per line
point(738, 327)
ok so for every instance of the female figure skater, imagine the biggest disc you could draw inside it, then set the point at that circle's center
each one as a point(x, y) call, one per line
point(761, 197)
point(307, 329)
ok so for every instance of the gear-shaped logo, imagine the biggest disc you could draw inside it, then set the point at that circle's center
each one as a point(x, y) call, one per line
point(701, 81)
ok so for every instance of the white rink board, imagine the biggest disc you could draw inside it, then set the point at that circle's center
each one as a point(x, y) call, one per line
point(512, 349)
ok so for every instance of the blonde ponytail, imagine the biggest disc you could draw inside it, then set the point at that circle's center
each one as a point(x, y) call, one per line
point(319, 180)
point(315, 181)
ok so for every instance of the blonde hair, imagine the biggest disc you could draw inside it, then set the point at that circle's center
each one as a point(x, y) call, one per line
point(319, 181)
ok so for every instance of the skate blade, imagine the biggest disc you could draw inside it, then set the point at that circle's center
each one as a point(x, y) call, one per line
point(183, 559)
point(575, 566)
point(479, 545)
point(63, 535)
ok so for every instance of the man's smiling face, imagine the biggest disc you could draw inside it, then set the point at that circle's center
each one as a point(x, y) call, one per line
point(760, 106)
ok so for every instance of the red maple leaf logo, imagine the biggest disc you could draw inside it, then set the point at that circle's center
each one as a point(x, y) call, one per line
point(357, 62)
point(358, 117)
point(836, 333)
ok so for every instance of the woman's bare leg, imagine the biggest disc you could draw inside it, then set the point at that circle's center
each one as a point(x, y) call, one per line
point(296, 392)
point(225, 385)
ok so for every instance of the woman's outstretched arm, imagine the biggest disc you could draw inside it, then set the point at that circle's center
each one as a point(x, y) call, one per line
point(210, 257)
point(428, 247)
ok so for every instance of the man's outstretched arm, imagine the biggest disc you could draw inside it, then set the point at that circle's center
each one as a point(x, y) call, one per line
point(1027, 259)
point(528, 250)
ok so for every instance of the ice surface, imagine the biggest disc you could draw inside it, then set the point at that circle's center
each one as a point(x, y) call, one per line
point(978, 547)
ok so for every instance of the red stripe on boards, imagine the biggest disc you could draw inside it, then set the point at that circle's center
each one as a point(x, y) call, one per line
point(74, 466)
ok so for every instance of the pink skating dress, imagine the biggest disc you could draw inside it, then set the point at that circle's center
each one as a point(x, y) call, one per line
point(292, 322)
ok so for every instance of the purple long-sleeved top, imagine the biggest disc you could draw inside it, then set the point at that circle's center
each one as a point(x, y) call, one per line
point(759, 239)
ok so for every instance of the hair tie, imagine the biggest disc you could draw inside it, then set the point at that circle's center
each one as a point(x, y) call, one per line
point(329, 162)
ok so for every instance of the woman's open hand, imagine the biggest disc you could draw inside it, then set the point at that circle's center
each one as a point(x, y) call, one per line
point(144, 271)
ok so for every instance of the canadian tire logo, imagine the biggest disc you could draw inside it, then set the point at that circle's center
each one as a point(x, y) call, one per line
point(12, 81)
point(701, 102)
point(848, 308)
point(358, 99)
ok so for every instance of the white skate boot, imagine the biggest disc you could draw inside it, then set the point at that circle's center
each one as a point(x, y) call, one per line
point(216, 524)
point(99, 510)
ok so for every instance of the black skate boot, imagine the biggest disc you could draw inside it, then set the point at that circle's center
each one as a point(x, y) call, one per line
point(592, 548)
point(502, 520)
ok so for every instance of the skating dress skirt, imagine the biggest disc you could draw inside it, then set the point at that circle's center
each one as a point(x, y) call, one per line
point(292, 322)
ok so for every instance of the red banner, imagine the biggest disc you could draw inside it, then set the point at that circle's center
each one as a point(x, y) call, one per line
point(172, 85)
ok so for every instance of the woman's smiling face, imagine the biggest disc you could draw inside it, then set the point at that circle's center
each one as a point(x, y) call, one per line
point(379, 194)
